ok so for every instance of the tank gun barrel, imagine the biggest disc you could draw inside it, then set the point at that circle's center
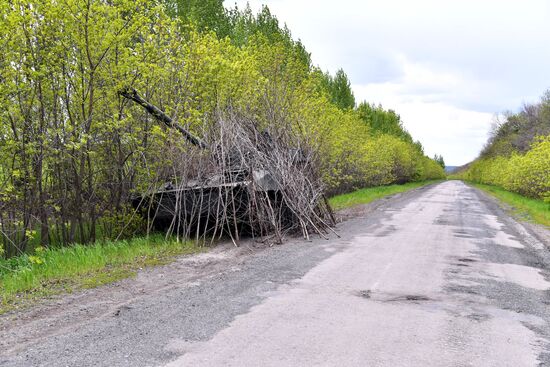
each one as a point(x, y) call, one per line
point(132, 94)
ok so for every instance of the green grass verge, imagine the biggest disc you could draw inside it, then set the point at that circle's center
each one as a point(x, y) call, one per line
point(365, 196)
point(526, 208)
point(26, 278)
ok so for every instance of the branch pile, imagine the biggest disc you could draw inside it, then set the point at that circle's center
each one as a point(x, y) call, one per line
point(263, 182)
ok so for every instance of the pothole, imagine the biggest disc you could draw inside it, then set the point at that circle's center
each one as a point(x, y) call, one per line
point(411, 298)
point(416, 297)
point(365, 293)
point(389, 297)
point(478, 317)
point(466, 260)
point(463, 236)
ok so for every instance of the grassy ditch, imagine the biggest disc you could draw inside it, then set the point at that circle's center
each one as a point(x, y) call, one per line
point(526, 208)
point(365, 196)
point(26, 278)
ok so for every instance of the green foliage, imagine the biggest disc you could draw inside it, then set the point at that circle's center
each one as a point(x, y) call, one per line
point(69, 152)
point(73, 152)
point(203, 14)
point(439, 159)
point(339, 88)
point(55, 270)
point(527, 174)
point(519, 131)
point(517, 155)
point(383, 122)
point(123, 223)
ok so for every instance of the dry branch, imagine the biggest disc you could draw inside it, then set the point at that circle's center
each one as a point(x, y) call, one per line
point(258, 181)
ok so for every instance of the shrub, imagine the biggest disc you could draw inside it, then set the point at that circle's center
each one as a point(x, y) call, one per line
point(527, 174)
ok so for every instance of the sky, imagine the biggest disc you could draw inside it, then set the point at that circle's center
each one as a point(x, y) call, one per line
point(447, 67)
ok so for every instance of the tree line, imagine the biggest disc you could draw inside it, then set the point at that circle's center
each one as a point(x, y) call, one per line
point(517, 154)
point(73, 152)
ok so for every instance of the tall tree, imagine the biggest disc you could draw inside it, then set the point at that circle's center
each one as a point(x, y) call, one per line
point(339, 88)
point(203, 14)
point(439, 159)
point(383, 121)
point(72, 152)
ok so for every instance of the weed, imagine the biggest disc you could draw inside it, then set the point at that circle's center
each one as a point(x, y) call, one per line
point(52, 271)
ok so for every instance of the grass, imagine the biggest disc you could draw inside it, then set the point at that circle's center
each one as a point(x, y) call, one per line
point(365, 196)
point(530, 209)
point(27, 278)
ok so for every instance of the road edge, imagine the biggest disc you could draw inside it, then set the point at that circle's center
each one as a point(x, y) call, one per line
point(536, 232)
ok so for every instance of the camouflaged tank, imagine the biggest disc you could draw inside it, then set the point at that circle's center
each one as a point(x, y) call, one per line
point(195, 205)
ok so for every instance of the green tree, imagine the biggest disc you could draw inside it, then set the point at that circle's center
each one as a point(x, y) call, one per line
point(439, 159)
point(339, 88)
point(383, 121)
point(202, 14)
point(73, 152)
point(517, 154)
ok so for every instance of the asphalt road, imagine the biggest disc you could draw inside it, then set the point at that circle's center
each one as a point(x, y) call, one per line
point(440, 276)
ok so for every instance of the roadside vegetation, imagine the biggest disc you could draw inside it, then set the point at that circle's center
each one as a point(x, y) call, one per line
point(51, 271)
point(514, 165)
point(517, 155)
point(367, 195)
point(73, 152)
point(525, 208)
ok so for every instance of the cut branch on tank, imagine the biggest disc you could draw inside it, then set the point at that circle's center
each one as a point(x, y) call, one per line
point(259, 182)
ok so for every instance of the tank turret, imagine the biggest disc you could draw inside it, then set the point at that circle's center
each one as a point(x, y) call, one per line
point(196, 204)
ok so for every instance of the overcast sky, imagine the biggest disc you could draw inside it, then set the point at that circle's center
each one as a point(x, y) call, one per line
point(445, 66)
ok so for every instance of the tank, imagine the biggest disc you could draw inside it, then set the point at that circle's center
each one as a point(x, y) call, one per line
point(225, 202)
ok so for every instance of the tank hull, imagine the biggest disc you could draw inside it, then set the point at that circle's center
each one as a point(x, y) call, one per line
point(204, 210)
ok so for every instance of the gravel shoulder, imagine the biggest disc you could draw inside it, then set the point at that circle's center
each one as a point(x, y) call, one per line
point(538, 231)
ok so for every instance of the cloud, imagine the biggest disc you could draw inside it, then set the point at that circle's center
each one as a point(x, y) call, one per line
point(420, 96)
point(445, 66)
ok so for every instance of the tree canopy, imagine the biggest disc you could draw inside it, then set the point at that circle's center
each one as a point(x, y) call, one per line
point(517, 154)
point(73, 152)
point(339, 88)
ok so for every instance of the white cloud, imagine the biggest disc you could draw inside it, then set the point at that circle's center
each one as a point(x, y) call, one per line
point(419, 96)
point(445, 66)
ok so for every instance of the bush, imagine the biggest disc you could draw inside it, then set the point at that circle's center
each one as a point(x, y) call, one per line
point(125, 223)
point(527, 174)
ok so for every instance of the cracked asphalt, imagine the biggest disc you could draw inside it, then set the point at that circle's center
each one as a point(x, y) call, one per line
point(439, 276)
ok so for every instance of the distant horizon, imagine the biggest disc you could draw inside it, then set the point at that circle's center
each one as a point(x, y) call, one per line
point(448, 84)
